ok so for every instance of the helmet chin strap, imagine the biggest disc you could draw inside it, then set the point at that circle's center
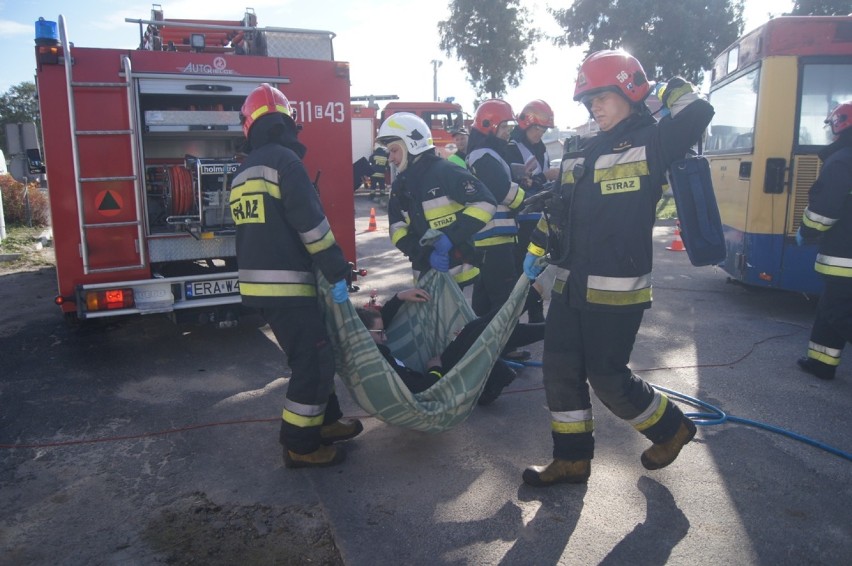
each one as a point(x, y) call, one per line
point(404, 163)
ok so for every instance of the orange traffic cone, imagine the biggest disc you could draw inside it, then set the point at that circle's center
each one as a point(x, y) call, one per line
point(372, 226)
point(677, 244)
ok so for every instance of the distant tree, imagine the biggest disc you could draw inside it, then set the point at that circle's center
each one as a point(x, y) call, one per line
point(18, 104)
point(821, 8)
point(494, 39)
point(668, 38)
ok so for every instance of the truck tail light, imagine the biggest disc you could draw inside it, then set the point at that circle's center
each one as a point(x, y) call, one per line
point(109, 299)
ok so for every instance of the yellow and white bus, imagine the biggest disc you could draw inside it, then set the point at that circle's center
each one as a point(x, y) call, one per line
point(772, 90)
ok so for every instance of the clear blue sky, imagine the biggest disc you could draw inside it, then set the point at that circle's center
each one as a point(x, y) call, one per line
point(389, 43)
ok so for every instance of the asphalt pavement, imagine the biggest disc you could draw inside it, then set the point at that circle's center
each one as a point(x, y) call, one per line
point(103, 430)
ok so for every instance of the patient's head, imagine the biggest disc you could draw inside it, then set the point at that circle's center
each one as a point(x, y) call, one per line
point(372, 319)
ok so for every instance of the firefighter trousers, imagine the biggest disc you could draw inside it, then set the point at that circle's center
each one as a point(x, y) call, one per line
point(582, 348)
point(832, 327)
point(310, 401)
point(497, 278)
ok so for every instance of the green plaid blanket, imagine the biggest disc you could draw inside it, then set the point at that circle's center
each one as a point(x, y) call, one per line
point(419, 331)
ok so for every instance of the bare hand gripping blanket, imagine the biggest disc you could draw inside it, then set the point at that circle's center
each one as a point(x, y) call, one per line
point(417, 332)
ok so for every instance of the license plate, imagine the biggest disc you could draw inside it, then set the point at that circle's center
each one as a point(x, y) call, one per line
point(213, 288)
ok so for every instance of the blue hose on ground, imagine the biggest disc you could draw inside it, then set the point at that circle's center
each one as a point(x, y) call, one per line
point(717, 416)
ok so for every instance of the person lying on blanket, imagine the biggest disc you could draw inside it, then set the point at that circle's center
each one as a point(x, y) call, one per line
point(501, 375)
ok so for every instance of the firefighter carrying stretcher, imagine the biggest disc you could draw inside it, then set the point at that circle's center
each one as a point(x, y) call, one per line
point(282, 233)
point(599, 240)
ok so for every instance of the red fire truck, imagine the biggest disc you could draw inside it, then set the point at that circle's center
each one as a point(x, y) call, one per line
point(141, 144)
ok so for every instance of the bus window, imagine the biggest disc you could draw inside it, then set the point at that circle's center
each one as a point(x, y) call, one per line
point(732, 127)
point(824, 86)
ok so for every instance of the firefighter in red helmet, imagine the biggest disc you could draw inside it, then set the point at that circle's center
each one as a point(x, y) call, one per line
point(489, 137)
point(599, 242)
point(282, 233)
point(530, 162)
point(827, 220)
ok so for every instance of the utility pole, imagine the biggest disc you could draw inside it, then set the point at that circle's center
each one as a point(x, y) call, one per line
point(435, 64)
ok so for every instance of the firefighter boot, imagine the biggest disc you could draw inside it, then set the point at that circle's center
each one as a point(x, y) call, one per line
point(816, 368)
point(501, 375)
point(340, 430)
point(322, 457)
point(558, 471)
point(662, 454)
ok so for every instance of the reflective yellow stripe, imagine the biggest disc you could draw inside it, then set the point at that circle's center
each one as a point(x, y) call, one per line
point(519, 197)
point(621, 171)
point(652, 414)
point(833, 265)
point(631, 163)
point(568, 169)
point(440, 206)
point(318, 232)
point(398, 231)
point(824, 354)
point(259, 179)
point(482, 211)
point(464, 273)
point(536, 250)
point(277, 290)
point(817, 221)
point(326, 242)
point(256, 186)
point(495, 240)
point(572, 428)
point(300, 421)
point(572, 422)
point(618, 290)
point(265, 109)
point(599, 297)
point(276, 276)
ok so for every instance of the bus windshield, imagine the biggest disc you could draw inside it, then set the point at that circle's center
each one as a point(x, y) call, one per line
point(824, 86)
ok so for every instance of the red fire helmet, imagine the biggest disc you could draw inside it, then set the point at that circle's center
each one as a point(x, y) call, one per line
point(840, 118)
point(263, 100)
point(491, 114)
point(612, 70)
point(536, 113)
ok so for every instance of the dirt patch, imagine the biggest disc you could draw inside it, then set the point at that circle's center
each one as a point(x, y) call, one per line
point(194, 530)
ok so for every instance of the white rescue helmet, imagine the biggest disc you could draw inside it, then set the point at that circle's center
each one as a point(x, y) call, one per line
point(409, 128)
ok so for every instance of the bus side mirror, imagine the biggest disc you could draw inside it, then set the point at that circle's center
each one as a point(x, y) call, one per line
point(773, 180)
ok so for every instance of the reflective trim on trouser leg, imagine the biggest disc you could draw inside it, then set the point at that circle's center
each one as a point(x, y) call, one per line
point(824, 354)
point(662, 423)
point(566, 387)
point(573, 437)
point(300, 426)
point(301, 334)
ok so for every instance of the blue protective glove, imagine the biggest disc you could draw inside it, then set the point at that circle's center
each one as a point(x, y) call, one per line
point(800, 241)
point(340, 292)
point(532, 269)
point(439, 259)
